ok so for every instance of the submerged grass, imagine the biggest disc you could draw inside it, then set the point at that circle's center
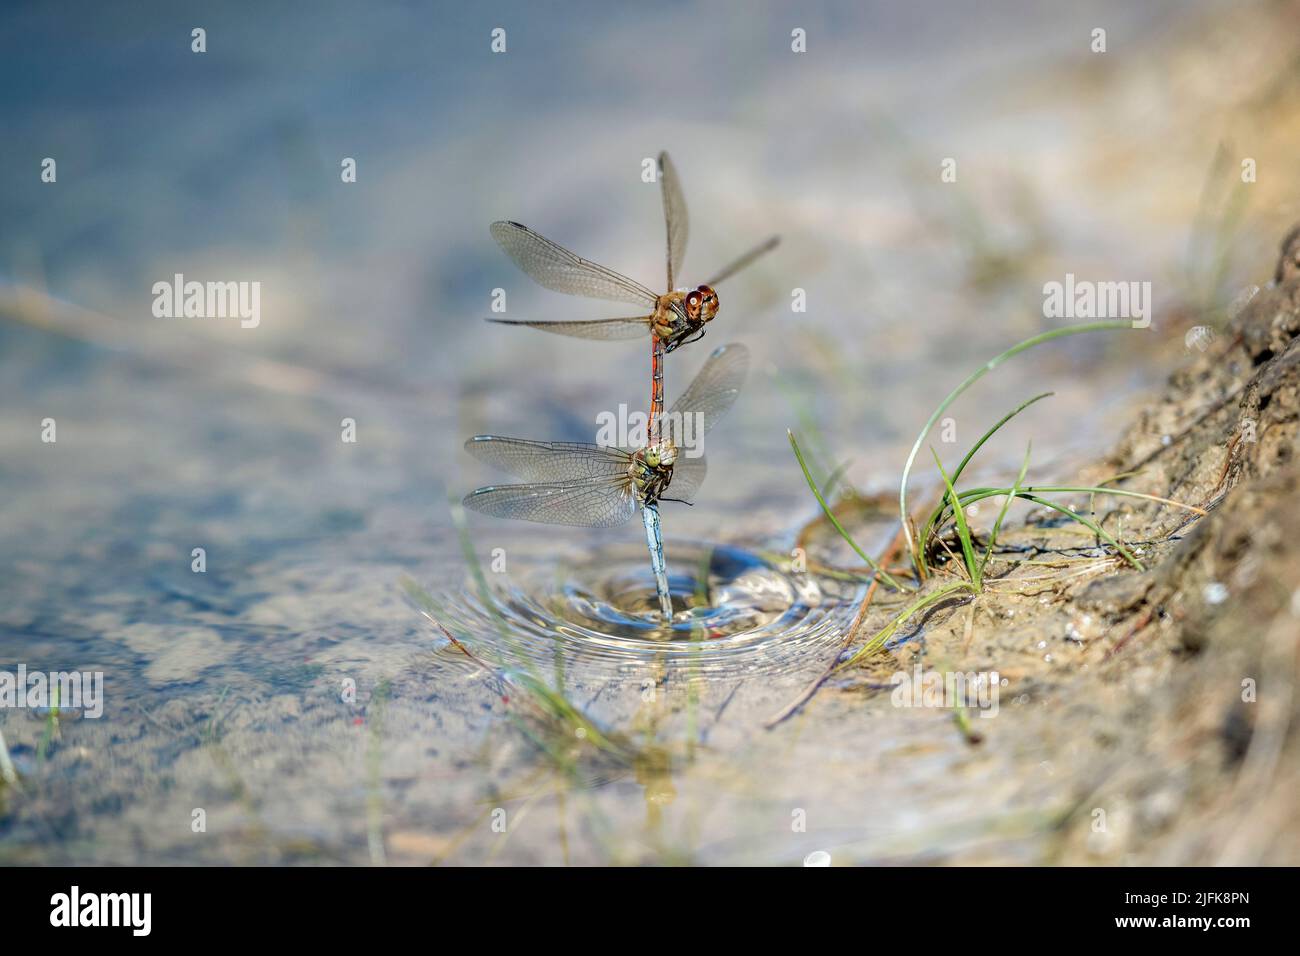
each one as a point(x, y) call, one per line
point(8, 775)
point(543, 714)
point(51, 732)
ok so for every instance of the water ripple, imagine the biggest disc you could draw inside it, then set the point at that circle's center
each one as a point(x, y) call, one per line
point(736, 613)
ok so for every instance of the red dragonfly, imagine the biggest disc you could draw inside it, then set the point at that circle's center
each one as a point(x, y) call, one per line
point(673, 319)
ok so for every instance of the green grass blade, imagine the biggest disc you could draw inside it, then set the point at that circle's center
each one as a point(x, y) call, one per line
point(979, 494)
point(889, 629)
point(835, 522)
point(956, 475)
point(963, 529)
point(1006, 505)
point(1120, 492)
point(971, 380)
point(971, 495)
point(1087, 523)
point(485, 592)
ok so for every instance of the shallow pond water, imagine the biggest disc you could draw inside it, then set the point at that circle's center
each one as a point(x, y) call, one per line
point(734, 612)
point(293, 689)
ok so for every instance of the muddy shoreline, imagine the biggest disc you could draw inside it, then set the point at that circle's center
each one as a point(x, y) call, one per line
point(1168, 695)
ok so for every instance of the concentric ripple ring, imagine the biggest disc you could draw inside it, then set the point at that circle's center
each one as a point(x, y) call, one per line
point(736, 613)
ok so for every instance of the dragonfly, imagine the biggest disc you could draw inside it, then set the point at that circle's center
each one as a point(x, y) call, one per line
point(601, 486)
point(675, 318)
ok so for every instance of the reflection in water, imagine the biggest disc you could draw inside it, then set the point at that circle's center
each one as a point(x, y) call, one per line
point(654, 772)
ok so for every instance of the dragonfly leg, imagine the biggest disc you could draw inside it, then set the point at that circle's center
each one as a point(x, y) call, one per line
point(655, 542)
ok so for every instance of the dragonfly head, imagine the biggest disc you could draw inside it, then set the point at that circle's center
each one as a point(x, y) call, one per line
point(662, 455)
point(701, 304)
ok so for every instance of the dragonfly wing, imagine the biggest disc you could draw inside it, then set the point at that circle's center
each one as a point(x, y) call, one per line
point(688, 475)
point(560, 270)
point(675, 217)
point(729, 270)
point(601, 502)
point(548, 461)
point(632, 327)
point(709, 397)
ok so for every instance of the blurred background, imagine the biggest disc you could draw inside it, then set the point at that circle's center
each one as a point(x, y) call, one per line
point(225, 165)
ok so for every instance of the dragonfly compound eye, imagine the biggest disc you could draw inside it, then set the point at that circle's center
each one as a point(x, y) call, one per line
point(693, 301)
point(708, 302)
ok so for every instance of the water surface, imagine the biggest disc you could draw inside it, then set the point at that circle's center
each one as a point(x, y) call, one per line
point(293, 691)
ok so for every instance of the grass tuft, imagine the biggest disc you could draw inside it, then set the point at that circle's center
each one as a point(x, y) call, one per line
point(912, 544)
point(973, 568)
point(954, 503)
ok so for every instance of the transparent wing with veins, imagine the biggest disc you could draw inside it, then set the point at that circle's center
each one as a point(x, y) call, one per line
point(599, 502)
point(688, 475)
point(708, 397)
point(558, 269)
point(731, 268)
point(570, 483)
point(675, 217)
point(609, 330)
point(548, 461)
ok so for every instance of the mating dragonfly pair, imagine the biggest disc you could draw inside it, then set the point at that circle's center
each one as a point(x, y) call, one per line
point(590, 485)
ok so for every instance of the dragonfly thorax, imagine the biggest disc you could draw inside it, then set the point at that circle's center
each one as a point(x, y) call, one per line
point(651, 470)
